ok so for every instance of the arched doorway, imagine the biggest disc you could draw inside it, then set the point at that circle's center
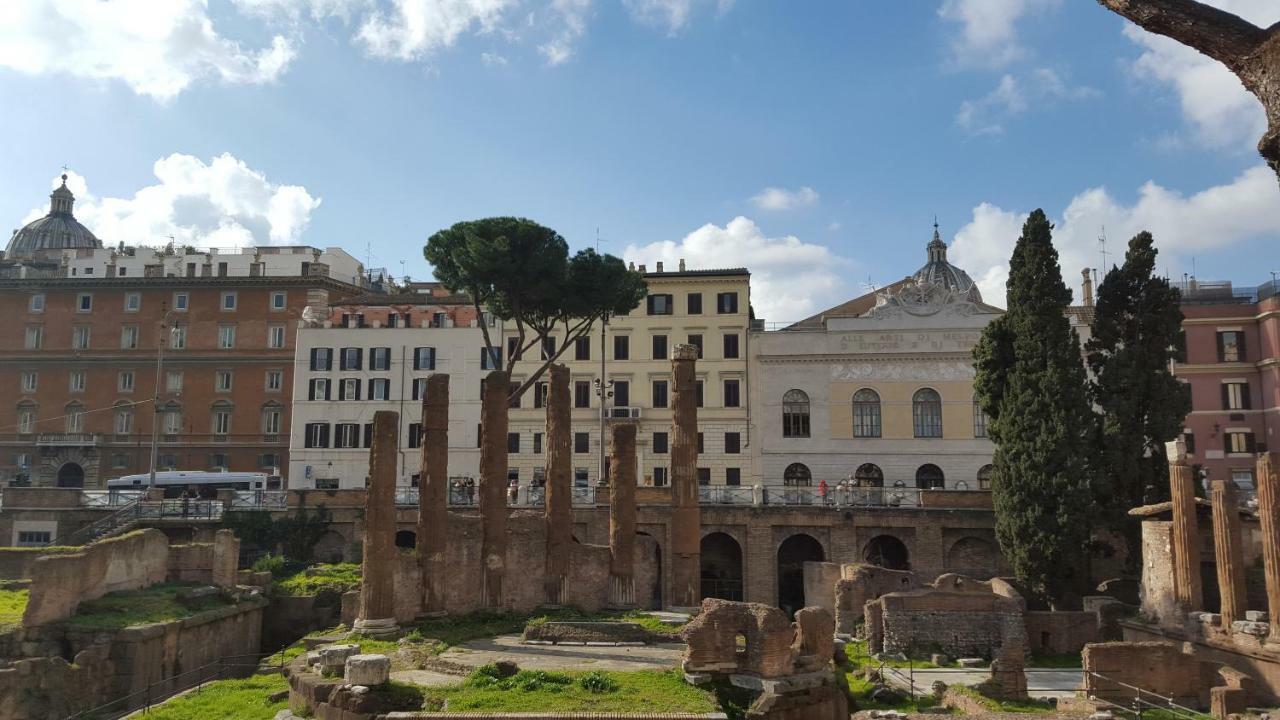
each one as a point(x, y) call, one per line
point(721, 567)
point(972, 556)
point(792, 555)
point(406, 539)
point(655, 595)
point(71, 475)
point(887, 551)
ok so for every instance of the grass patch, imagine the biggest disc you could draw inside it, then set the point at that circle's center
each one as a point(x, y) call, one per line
point(859, 657)
point(1063, 660)
point(244, 699)
point(860, 690)
point(158, 603)
point(338, 578)
point(1009, 706)
point(13, 603)
point(540, 691)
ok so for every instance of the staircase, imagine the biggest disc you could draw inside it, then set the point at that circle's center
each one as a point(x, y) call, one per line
point(116, 523)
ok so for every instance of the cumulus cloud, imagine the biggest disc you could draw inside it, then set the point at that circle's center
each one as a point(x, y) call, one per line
point(1015, 95)
point(1221, 113)
point(776, 198)
point(1183, 225)
point(158, 49)
point(223, 203)
point(988, 34)
point(790, 279)
point(573, 17)
point(673, 15)
point(411, 29)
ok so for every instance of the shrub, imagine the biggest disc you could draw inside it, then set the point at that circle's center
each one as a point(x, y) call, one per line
point(597, 682)
point(273, 564)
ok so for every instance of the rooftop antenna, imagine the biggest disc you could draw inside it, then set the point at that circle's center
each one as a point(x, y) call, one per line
point(869, 285)
point(1102, 247)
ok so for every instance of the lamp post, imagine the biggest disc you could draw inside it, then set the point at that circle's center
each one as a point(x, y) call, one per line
point(161, 341)
point(604, 390)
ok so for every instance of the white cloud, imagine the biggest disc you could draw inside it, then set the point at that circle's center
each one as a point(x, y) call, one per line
point(223, 203)
point(1222, 114)
point(573, 17)
point(493, 59)
point(156, 48)
point(1183, 226)
point(1014, 96)
point(775, 198)
point(674, 15)
point(790, 279)
point(988, 29)
point(412, 29)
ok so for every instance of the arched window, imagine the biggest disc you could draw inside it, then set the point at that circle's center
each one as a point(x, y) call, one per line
point(797, 474)
point(869, 475)
point(929, 477)
point(984, 477)
point(979, 420)
point(926, 410)
point(866, 413)
point(795, 414)
point(75, 417)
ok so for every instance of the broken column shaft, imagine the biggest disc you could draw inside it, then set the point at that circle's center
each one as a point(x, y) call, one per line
point(686, 521)
point(1228, 548)
point(1269, 514)
point(622, 515)
point(1186, 532)
point(377, 582)
point(433, 494)
point(558, 510)
point(493, 484)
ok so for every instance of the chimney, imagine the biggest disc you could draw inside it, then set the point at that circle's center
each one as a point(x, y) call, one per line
point(681, 264)
point(1087, 285)
point(630, 266)
point(641, 268)
point(659, 264)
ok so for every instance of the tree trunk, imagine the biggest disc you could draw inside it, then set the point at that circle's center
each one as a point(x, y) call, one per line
point(1251, 52)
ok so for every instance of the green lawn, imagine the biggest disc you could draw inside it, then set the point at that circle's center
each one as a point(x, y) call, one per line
point(858, 657)
point(860, 691)
point(244, 699)
point(13, 603)
point(540, 691)
point(1034, 707)
point(1064, 660)
point(339, 578)
point(158, 603)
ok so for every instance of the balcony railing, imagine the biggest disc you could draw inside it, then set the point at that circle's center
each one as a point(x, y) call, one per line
point(259, 500)
point(110, 498)
point(525, 496)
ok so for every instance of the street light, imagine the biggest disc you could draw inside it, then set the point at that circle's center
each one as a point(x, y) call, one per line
point(161, 341)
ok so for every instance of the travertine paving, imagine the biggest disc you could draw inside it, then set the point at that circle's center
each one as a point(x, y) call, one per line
point(565, 657)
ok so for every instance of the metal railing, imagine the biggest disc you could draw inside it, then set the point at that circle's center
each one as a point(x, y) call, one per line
point(525, 496)
point(259, 500)
point(726, 495)
point(110, 498)
point(1144, 699)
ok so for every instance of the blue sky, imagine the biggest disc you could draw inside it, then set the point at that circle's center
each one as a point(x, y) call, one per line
point(812, 141)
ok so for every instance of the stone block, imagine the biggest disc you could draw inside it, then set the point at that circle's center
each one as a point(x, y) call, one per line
point(333, 658)
point(367, 670)
point(1258, 629)
point(970, 662)
point(1256, 616)
point(939, 659)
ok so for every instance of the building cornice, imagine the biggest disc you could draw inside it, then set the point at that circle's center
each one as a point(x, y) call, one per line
point(865, 357)
point(145, 283)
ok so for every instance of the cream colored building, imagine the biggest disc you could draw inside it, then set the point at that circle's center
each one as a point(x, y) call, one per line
point(878, 389)
point(711, 308)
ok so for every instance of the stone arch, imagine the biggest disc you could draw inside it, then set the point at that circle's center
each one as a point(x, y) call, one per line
point(797, 475)
point(793, 553)
point(887, 551)
point(721, 571)
point(930, 477)
point(972, 556)
point(71, 475)
point(406, 539)
point(332, 547)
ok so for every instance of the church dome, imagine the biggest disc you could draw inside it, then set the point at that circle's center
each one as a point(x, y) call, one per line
point(59, 230)
point(940, 272)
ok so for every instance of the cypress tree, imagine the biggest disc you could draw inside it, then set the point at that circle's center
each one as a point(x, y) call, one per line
point(1030, 380)
point(1136, 335)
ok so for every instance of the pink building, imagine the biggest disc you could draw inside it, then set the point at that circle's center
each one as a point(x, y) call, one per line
point(1232, 341)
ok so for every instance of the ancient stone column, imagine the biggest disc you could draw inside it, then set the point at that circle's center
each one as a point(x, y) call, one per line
point(558, 507)
point(1186, 532)
point(377, 583)
point(1228, 549)
point(493, 484)
point(1269, 513)
point(686, 520)
point(433, 494)
point(622, 515)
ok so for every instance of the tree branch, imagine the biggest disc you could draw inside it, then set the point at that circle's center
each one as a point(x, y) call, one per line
point(1222, 36)
point(582, 329)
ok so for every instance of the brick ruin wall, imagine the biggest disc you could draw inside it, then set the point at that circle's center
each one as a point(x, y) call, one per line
point(960, 624)
point(1159, 667)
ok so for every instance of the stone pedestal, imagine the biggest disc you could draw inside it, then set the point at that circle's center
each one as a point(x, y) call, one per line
point(1186, 533)
point(686, 518)
point(1269, 515)
point(558, 507)
point(1228, 549)
point(622, 515)
point(433, 494)
point(377, 583)
point(493, 484)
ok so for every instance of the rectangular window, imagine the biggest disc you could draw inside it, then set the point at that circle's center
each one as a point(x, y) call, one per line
point(537, 443)
point(704, 476)
point(513, 348)
point(732, 443)
point(694, 304)
point(34, 538)
point(1190, 440)
point(621, 347)
point(275, 336)
point(730, 346)
point(660, 443)
point(731, 398)
point(279, 300)
point(733, 476)
point(621, 393)
point(727, 303)
point(581, 394)
point(698, 393)
point(1239, 442)
point(35, 337)
point(540, 392)
point(1235, 396)
point(351, 359)
point(222, 269)
point(35, 303)
point(218, 461)
point(316, 435)
point(659, 393)
point(979, 421)
point(513, 442)
point(659, 477)
point(415, 435)
point(129, 337)
point(548, 347)
point(173, 381)
point(172, 424)
point(228, 302)
point(26, 421)
point(222, 381)
point(318, 389)
point(513, 400)
point(439, 319)
point(581, 442)
point(349, 389)
point(132, 302)
point(346, 435)
point(30, 378)
point(77, 381)
point(380, 358)
point(75, 419)
point(125, 381)
point(321, 359)
point(696, 341)
point(419, 389)
point(659, 304)
point(80, 337)
point(271, 422)
point(181, 302)
point(659, 347)
point(84, 302)
point(379, 389)
point(701, 445)
point(222, 422)
point(424, 358)
point(178, 337)
point(582, 348)
point(1231, 346)
point(119, 460)
point(487, 360)
point(124, 421)
point(226, 337)
point(275, 380)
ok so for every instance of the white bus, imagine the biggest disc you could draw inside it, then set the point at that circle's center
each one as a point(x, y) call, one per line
point(202, 484)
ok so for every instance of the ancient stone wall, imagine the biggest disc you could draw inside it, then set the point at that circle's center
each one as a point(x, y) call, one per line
point(16, 562)
point(1157, 596)
point(1159, 667)
point(959, 624)
point(59, 583)
point(214, 563)
point(820, 580)
point(1061, 632)
point(860, 583)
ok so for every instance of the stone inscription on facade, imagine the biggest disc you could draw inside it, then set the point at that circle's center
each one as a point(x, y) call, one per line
point(874, 342)
point(914, 370)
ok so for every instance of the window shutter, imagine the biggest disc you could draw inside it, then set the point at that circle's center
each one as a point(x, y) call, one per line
point(307, 438)
point(327, 392)
point(1226, 397)
point(1249, 445)
point(324, 435)
point(311, 386)
point(1244, 396)
point(368, 435)
point(1240, 347)
point(431, 358)
point(1222, 349)
point(314, 353)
